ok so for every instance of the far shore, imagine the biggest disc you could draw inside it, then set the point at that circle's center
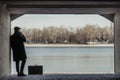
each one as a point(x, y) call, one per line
point(69, 45)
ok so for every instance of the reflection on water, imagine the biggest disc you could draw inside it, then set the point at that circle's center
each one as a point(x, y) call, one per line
point(71, 59)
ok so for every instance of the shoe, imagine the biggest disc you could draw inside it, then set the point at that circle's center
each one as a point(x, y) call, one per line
point(18, 74)
point(22, 74)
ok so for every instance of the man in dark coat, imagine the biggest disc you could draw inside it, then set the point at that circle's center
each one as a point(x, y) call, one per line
point(17, 44)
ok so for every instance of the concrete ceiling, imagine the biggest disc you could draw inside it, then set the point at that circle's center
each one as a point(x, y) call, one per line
point(106, 8)
point(66, 7)
point(62, 4)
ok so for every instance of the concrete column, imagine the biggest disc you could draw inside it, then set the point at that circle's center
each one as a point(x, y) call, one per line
point(117, 42)
point(4, 40)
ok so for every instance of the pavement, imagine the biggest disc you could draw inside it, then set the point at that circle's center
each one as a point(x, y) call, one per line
point(64, 77)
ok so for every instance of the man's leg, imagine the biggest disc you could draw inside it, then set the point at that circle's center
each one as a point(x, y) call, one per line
point(22, 66)
point(17, 66)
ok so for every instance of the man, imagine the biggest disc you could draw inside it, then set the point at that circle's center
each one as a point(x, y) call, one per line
point(19, 54)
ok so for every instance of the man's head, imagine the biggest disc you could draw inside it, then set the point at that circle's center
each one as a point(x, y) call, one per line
point(17, 28)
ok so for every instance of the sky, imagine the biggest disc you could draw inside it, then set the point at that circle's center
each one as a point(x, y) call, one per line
point(68, 20)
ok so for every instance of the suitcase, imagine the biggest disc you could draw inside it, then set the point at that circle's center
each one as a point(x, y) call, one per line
point(37, 69)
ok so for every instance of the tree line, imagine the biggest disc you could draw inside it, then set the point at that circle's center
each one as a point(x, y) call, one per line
point(65, 35)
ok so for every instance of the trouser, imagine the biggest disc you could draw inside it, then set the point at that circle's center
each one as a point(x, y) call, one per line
point(19, 68)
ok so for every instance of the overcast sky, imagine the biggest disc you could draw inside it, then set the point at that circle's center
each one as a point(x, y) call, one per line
point(68, 20)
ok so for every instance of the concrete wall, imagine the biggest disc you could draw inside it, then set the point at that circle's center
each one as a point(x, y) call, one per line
point(4, 40)
point(117, 42)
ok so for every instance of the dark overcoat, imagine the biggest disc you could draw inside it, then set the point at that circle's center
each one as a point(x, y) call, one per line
point(17, 44)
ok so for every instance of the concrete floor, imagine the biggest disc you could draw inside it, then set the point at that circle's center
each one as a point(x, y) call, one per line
point(64, 77)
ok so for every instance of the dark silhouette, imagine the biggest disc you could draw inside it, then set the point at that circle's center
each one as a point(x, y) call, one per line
point(18, 48)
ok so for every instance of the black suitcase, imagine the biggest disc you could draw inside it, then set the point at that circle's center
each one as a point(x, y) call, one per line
point(37, 69)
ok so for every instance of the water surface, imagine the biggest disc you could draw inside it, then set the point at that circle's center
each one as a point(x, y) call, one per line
point(71, 60)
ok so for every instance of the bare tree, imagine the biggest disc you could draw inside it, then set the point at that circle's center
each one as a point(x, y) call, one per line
point(62, 34)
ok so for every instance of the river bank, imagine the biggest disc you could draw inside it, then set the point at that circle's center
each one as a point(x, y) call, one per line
point(68, 45)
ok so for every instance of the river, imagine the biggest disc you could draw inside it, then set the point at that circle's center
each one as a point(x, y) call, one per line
point(70, 60)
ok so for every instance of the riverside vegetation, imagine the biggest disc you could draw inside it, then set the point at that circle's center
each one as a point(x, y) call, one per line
point(69, 35)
